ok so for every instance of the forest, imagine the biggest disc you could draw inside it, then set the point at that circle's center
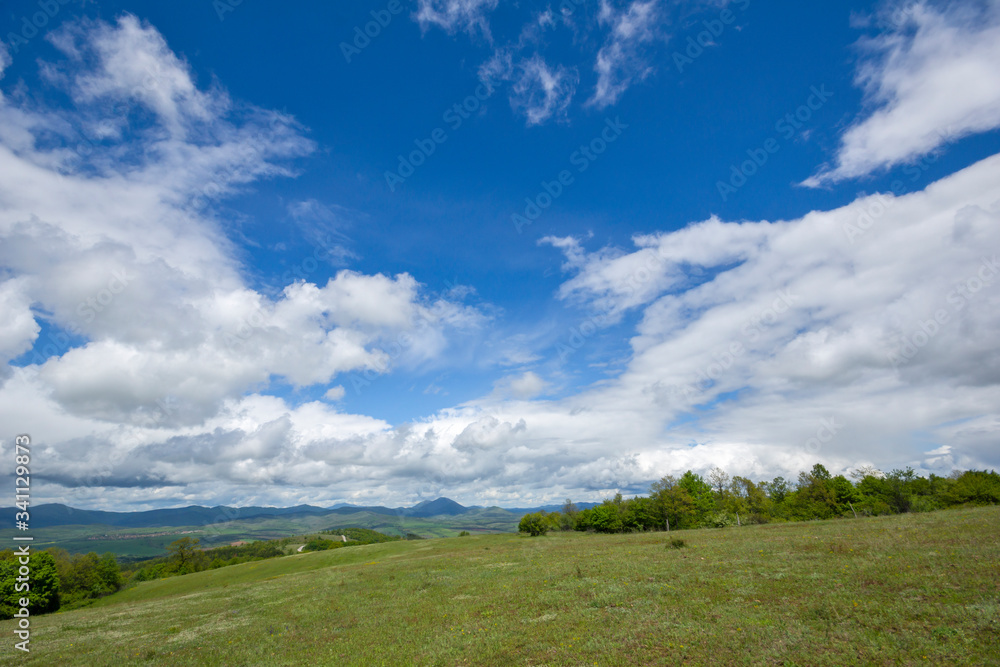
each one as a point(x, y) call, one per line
point(718, 500)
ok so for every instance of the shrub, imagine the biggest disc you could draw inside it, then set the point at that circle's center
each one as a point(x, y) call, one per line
point(676, 543)
point(534, 524)
point(464, 533)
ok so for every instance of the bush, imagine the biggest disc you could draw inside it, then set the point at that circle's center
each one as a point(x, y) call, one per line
point(464, 533)
point(720, 520)
point(534, 524)
point(676, 543)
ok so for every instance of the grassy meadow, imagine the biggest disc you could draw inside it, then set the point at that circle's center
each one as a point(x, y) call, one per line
point(915, 589)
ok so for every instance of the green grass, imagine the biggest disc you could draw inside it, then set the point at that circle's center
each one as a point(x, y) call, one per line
point(904, 590)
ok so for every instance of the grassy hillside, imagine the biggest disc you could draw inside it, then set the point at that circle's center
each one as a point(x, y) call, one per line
point(912, 589)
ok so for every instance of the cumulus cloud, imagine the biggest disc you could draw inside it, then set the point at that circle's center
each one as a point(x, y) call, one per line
point(847, 335)
point(112, 239)
point(523, 386)
point(858, 336)
point(929, 80)
point(18, 328)
point(861, 335)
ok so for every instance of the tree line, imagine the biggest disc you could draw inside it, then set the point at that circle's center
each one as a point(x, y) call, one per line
point(58, 580)
point(718, 500)
point(355, 537)
point(186, 556)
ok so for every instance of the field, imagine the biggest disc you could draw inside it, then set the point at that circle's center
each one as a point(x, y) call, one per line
point(917, 589)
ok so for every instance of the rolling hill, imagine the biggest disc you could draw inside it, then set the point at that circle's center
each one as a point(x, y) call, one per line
point(906, 589)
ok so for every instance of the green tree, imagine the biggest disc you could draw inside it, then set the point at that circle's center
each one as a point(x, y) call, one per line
point(815, 497)
point(844, 494)
point(719, 479)
point(673, 503)
point(567, 519)
point(534, 524)
point(184, 554)
point(701, 492)
point(975, 487)
point(776, 489)
point(749, 500)
point(109, 574)
point(43, 584)
point(606, 517)
point(639, 514)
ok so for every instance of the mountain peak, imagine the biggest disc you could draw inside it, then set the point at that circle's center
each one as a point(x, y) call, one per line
point(437, 508)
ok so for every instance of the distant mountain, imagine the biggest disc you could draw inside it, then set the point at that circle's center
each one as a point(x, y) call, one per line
point(439, 507)
point(45, 516)
point(55, 514)
point(548, 508)
point(426, 508)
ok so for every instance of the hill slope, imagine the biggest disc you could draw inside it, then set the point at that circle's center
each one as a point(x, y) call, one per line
point(910, 589)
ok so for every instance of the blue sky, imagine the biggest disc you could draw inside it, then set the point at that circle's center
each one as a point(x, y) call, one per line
point(297, 318)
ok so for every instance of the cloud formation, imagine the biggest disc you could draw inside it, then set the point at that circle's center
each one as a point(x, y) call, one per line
point(542, 92)
point(452, 15)
point(620, 61)
point(112, 250)
point(930, 79)
point(146, 361)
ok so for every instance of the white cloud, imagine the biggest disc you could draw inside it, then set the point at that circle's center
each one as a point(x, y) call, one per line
point(4, 58)
point(18, 329)
point(116, 243)
point(538, 91)
point(815, 311)
point(323, 227)
point(523, 386)
point(134, 62)
point(931, 80)
point(772, 328)
point(761, 347)
point(335, 393)
point(620, 61)
point(452, 15)
point(541, 92)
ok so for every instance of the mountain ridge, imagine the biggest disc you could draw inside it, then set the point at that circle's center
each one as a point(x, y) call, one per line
point(57, 514)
